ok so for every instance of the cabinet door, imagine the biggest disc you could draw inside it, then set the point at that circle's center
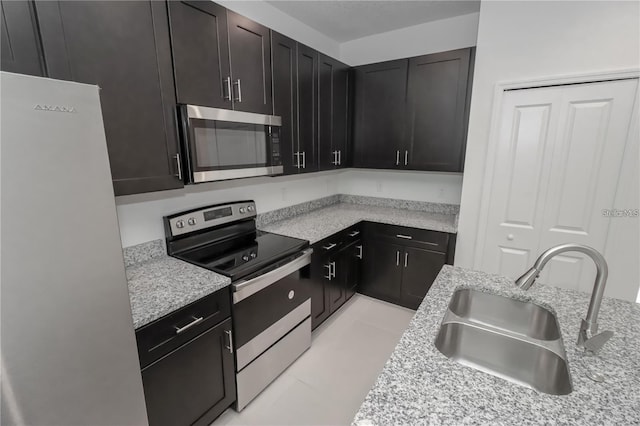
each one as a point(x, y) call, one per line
point(200, 53)
point(437, 104)
point(320, 288)
point(420, 268)
point(337, 283)
point(382, 270)
point(351, 264)
point(124, 48)
point(285, 97)
point(307, 107)
point(20, 51)
point(193, 384)
point(332, 113)
point(250, 53)
point(380, 103)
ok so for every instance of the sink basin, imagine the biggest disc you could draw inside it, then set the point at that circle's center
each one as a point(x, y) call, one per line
point(514, 340)
point(505, 313)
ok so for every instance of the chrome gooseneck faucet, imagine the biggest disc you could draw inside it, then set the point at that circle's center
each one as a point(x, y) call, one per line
point(588, 338)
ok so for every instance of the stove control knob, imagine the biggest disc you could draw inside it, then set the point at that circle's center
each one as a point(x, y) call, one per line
point(242, 210)
point(250, 208)
point(192, 221)
point(180, 224)
point(253, 255)
point(245, 258)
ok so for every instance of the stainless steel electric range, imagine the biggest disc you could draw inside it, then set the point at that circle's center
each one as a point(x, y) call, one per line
point(271, 296)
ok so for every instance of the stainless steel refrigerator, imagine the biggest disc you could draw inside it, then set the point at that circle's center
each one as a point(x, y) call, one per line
point(68, 348)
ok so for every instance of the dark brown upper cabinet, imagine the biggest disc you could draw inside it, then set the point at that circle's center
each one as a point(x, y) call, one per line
point(285, 97)
point(124, 48)
point(333, 104)
point(438, 96)
point(200, 53)
point(20, 50)
point(250, 52)
point(221, 59)
point(307, 113)
point(380, 139)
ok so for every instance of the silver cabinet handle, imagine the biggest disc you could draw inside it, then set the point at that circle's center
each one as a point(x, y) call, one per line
point(237, 84)
point(230, 335)
point(328, 276)
point(177, 157)
point(397, 258)
point(330, 246)
point(397, 158)
point(188, 326)
point(354, 233)
point(297, 155)
point(406, 158)
point(404, 237)
point(227, 82)
point(406, 259)
point(359, 255)
point(333, 268)
point(304, 159)
point(335, 158)
point(339, 157)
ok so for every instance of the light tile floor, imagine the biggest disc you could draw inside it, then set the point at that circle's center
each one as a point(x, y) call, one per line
point(328, 383)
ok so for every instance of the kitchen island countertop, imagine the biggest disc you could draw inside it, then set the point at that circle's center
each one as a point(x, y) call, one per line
point(419, 385)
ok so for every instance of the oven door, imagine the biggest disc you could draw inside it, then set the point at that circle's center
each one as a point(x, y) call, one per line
point(220, 144)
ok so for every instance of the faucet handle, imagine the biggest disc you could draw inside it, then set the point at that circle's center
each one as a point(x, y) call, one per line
point(595, 343)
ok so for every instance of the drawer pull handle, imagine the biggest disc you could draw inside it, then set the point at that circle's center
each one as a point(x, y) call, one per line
point(397, 258)
point(330, 246)
point(354, 233)
point(188, 326)
point(230, 335)
point(404, 237)
point(406, 259)
point(431, 244)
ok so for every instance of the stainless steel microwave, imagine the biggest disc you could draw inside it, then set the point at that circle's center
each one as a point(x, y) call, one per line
point(220, 144)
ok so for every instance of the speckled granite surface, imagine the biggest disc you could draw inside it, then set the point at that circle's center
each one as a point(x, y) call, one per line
point(143, 252)
point(295, 210)
point(159, 284)
point(318, 224)
point(419, 385)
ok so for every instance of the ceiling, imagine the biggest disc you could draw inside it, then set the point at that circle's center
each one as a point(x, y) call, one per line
point(348, 20)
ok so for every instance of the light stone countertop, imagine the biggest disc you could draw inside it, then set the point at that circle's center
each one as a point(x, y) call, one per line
point(321, 223)
point(419, 385)
point(159, 284)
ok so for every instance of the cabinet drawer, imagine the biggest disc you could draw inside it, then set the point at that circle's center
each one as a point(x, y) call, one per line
point(422, 238)
point(167, 333)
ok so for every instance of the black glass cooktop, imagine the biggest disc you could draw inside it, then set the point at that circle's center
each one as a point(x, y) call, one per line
point(244, 255)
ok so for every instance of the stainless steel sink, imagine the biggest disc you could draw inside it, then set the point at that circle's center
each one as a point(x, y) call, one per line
point(511, 339)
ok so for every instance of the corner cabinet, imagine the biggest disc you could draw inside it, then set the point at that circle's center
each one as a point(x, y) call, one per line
point(21, 50)
point(412, 114)
point(400, 263)
point(124, 48)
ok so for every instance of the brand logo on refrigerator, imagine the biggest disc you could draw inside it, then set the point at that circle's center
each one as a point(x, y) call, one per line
point(54, 108)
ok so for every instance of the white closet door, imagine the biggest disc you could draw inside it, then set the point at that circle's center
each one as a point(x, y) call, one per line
point(558, 162)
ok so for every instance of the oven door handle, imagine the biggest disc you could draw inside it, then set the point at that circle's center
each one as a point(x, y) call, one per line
point(244, 289)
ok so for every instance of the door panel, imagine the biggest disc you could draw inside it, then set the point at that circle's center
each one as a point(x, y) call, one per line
point(380, 112)
point(332, 122)
point(586, 162)
point(307, 107)
point(285, 96)
point(200, 53)
point(558, 161)
point(320, 288)
point(250, 53)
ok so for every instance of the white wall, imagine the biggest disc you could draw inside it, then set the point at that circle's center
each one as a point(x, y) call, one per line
point(422, 39)
point(269, 16)
point(529, 40)
point(140, 216)
point(403, 185)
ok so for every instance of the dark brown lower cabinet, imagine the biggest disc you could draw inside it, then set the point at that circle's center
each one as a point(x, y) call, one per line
point(420, 269)
point(193, 384)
